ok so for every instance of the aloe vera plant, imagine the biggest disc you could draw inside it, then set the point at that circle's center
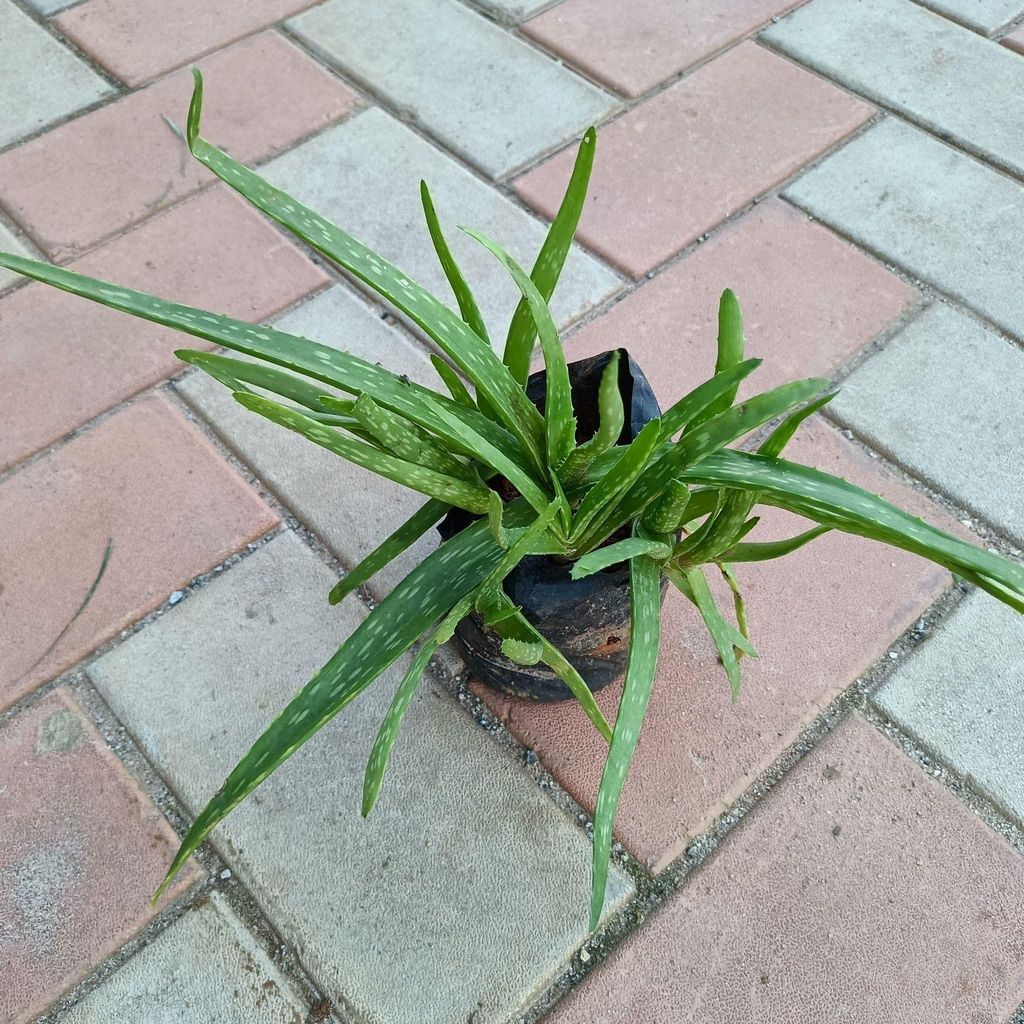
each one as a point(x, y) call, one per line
point(675, 503)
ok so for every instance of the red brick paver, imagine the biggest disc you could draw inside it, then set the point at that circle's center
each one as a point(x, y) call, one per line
point(81, 850)
point(819, 618)
point(861, 891)
point(140, 39)
point(810, 301)
point(679, 163)
point(1015, 40)
point(64, 359)
point(657, 38)
point(111, 168)
point(146, 479)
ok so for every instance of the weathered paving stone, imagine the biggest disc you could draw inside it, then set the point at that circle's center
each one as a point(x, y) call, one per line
point(204, 969)
point(48, 7)
point(117, 165)
point(1015, 40)
point(512, 11)
point(10, 242)
point(948, 219)
point(144, 479)
point(82, 849)
point(810, 301)
point(959, 694)
point(43, 81)
point(490, 97)
point(364, 175)
point(465, 874)
point(860, 890)
point(350, 508)
point(137, 40)
point(957, 421)
point(984, 15)
point(634, 48)
point(64, 359)
point(751, 118)
point(819, 618)
point(934, 72)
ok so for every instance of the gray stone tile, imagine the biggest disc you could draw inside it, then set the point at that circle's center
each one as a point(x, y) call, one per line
point(12, 243)
point(511, 12)
point(204, 969)
point(42, 80)
point(984, 15)
point(49, 7)
point(946, 218)
point(960, 695)
point(465, 880)
point(365, 174)
point(489, 96)
point(350, 508)
point(944, 398)
point(941, 76)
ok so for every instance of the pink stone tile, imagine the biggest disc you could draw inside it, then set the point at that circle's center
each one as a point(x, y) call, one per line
point(1015, 40)
point(680, 162)
point(819, 619)
point(82, 849)
point(810, 301)
point(145, 478)
point(633, 48)
point(860, 891)
point(64, 359)
point(115, 166)
point(140, 39)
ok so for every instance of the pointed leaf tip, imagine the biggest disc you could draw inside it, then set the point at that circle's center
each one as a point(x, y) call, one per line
point(195, 109)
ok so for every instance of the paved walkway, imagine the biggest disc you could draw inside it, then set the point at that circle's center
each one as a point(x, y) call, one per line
point(846, 843)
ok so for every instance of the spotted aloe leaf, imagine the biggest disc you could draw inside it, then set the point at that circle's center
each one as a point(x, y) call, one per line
point(470, 496)
point(645, 615)
point(559, 423)
point(686, 411)
point(522, 652)
point(450, 333)
point(429, 591)
point(621, 551)
point(730, 351)
point(611, 420)
point(547, 269)
point(768, 550)
point(451, 381)
point(403, 538)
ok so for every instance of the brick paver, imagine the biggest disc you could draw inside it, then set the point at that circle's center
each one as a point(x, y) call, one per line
point(946, 218)
point(381, 163)
point(499, 875)
point(935, 73)
point(819, 618)
point(810, 301)
point(657, 40)
point(43, 81)
point(143, 478)
point(655, 188)
point(958, 418)
point(488, 96)
point(960, 695)
point(860, 891)
point(985, 15)
point(81, 851)
point(117, 165)
point(350, 508)
point(205, 968)
point(138, 40)
point(66, 359)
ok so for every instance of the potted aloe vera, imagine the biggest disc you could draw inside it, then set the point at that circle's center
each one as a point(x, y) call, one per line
point(567, 501)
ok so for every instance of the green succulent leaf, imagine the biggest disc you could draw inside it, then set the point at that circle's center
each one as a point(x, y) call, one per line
point(451, 380)
point(450, 333)
point(523, 652)
point(665, 514)
point(436, 584)
point(621, 551)
point(645, 614)
point(494, 519)
point(547, 269)
point(611, 420)
point(686, 411)
point(767, 550)
point(560, 425)
point(403, 538)
point(470, 496)
point(730, 350)
point(463, 295)
point(777, 440)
